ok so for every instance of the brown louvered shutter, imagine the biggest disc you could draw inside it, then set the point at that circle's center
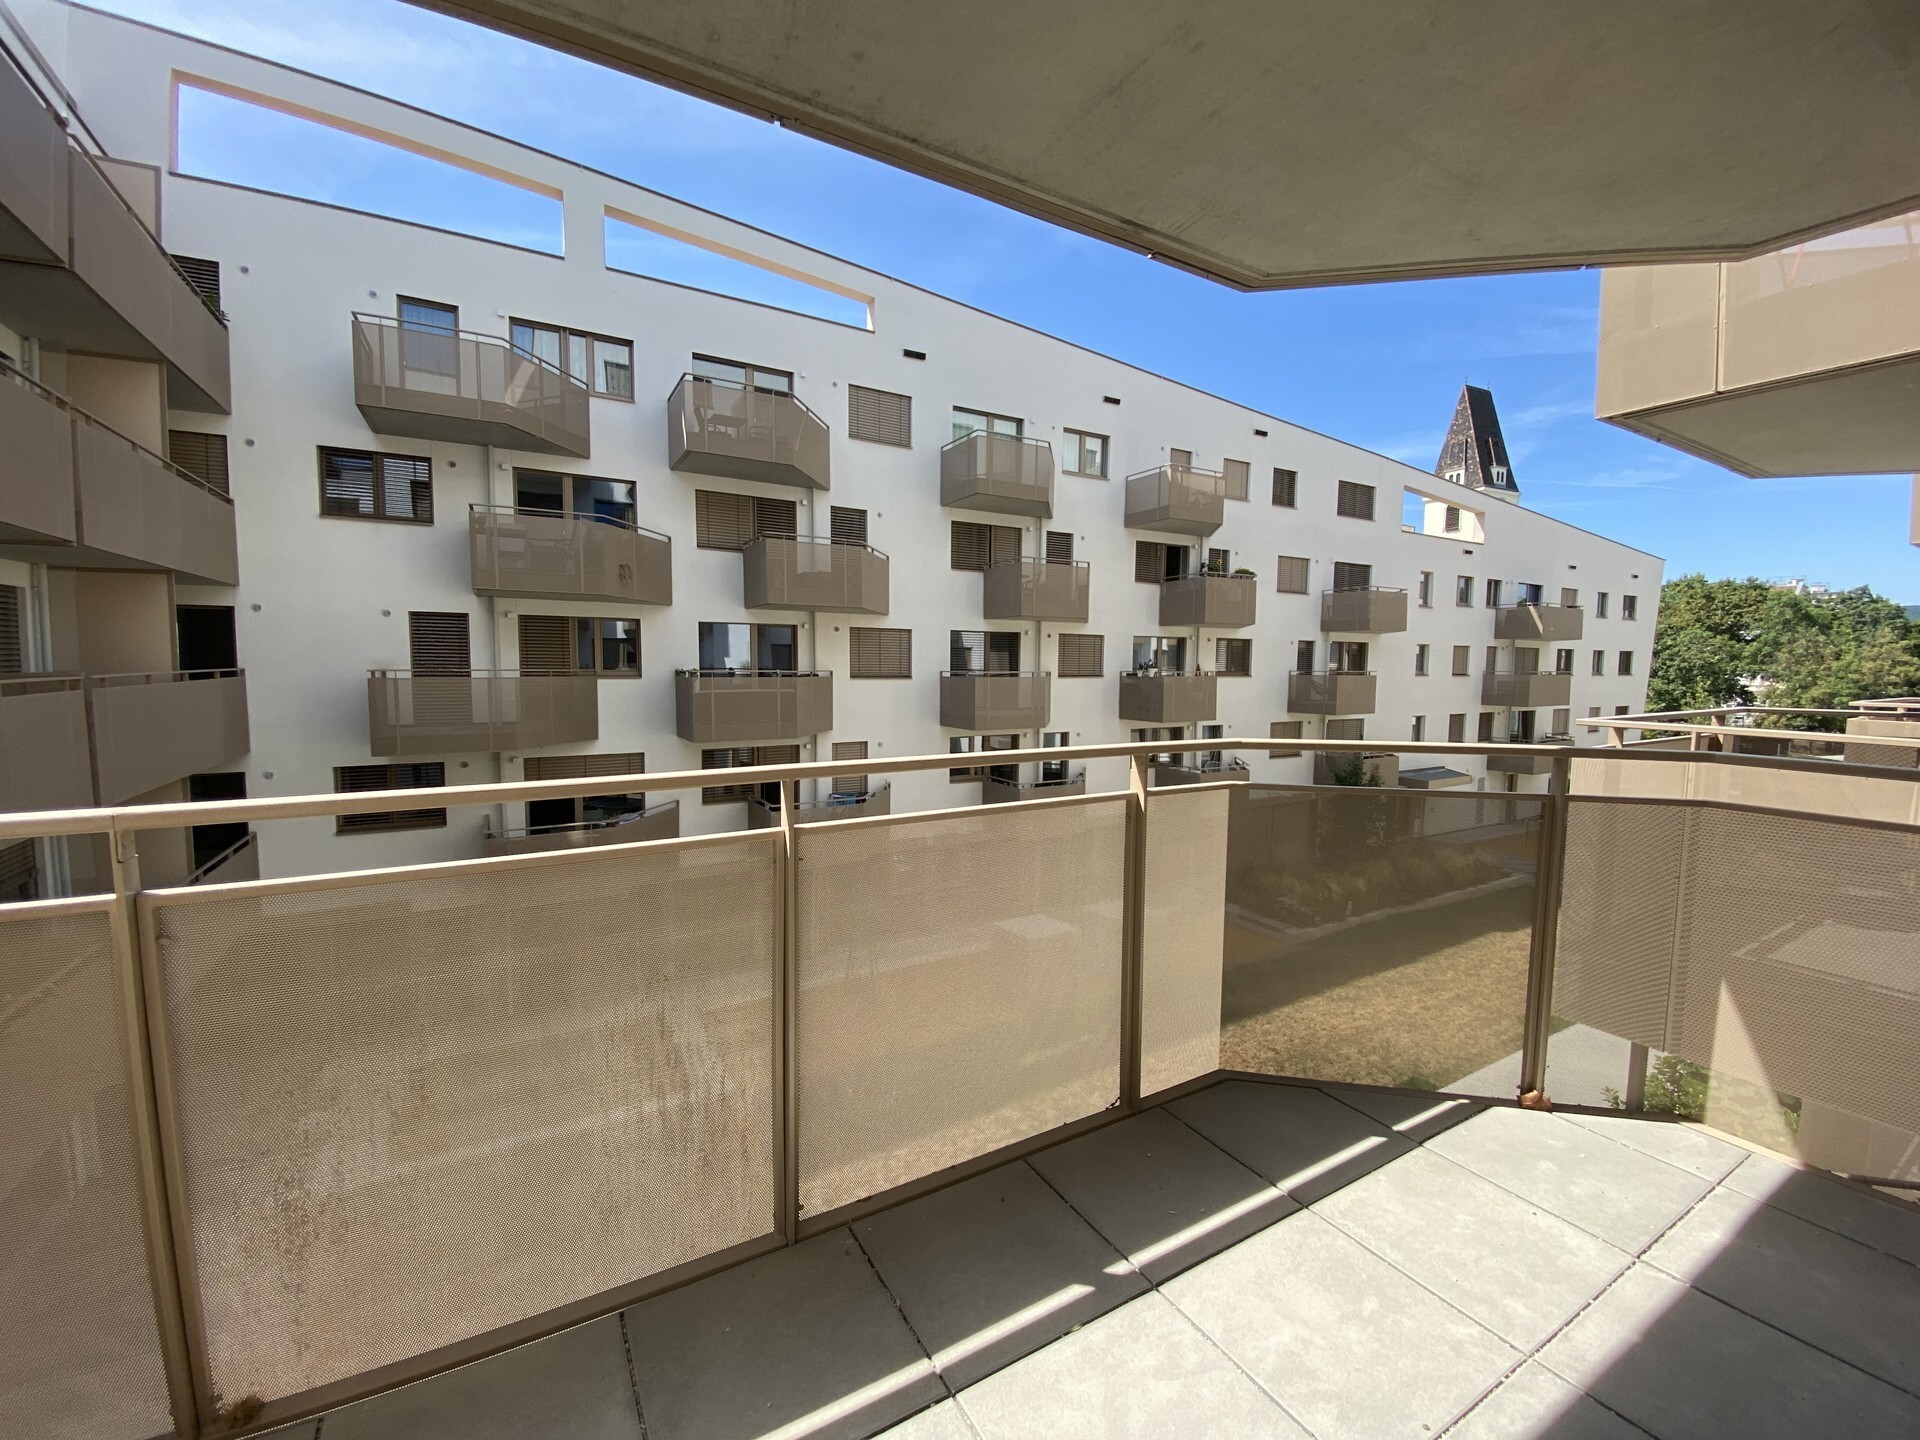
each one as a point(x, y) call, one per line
point(438, 643)
point(584, 767)
point(1060, 547)
point(358, 779)
point(725, 760)
point(13, 648)
point(1348, 576)
point(202, 456)
point(849, 526)
point(1237, 473)
point(546, 646)
point(204, 276)
point(1003, 544)
point(775, 517)
point(1486, 726)
point(1233, 657)
point(1456, 729)
point(1354, 500)
point(1082, 656)
point(722, 521)
point(850, 750)
point(880, 416)
point(406, 488)
point(1461, 660)
point(1292, 570)
point(1346, 729)
point(879, 653)
point(1149, 561)
point(1285, 491)
point(1285, 730)
point(1219, 561)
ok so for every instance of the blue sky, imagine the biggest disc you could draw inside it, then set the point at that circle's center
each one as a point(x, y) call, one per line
point(1378, 365)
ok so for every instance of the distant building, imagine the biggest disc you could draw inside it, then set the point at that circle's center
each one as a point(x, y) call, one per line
point(1475, 452)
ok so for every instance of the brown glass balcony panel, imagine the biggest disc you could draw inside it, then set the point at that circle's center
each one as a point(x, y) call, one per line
point(1539, 624)
point(782, 572)
point(567, 557)
point(412, 714)
point(1177, 499)
point(747, 707)
point(137, 507)
point(33, 176)
point(656, 822)
point(468, 389)
point(1224, 601)
point(45, 760)
point(1035, 590)
point(1331, 692)
point(151, 730)
point(997, 791)
point(876, 801)
point(1156, 698)
point(36, 464)
point(1525, 691)
point(1009, 474)
point(740, 432)
point(985, 703)
point(1375, 765)
point(1372, 611)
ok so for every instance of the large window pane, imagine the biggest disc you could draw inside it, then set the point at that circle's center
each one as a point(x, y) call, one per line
point(725, 647)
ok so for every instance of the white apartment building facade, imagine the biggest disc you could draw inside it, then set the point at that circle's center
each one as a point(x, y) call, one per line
point(503, 514)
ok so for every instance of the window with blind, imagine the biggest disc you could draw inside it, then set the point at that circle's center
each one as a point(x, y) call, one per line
point(1219, 562)
point(438, 643)
point(358, 779)
point(363, 485)
point(1293, 573)
point(204, 276)
point(1486, 726)
point(978, 745)
point(1286, 489)
point(1351, 577)
point(584, 809)
point(1346, 729)
point(1059, 547)
point(579, 645)
point(879, 653)
point(848, 526)
point(1180, 457)
point(13, 634)
point(974, 546)
point(1238, 474)
point(1233, 656)
point(1081, 656)
point(1456, 729)
point(1285, 730)
point(1355, 501)
point(880, 416)
point(723, 521)
point(1462, 659)
point(1562, 721)
point(740, 757)
point(1451, 521)
point(850, 784)
point(202, 456)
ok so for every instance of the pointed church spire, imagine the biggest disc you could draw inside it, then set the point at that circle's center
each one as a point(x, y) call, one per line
point(1475, 452)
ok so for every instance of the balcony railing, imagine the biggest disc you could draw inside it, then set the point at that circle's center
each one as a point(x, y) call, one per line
point(151, 729)
point(1223, 601)
point(1169, 697)
point(419, 1092)
point(239, 861)
point(1539, 624)
point(996, 701)
point(409, 713)
point(1526, 690)
point(567, 557)
point(1331, 692)
point(1199, 769)
point(741, 432)
point(1371, 610)
point(1028, 589)
point(452, 385)
point(656, 822)
point(45, 760)
point(1501, 762)
point(1006, 473)
point(875, 800)
point(1177, 499)
point(786, 572)
point(747, 707)
point(998, 790)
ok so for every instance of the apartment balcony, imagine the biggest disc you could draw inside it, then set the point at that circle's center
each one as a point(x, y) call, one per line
point(1169, 697)
point(1009, 474)
point(1222, 601)
point(785, 572)
point(1373, 610)
point(1201, 769)
point(150, 730)
point(1499, 764)
point(1331, 692)
point(876, 800)
point(36, 464)
point(991, 702)
point(463, 388)
point(748, 707)
point(1177, 499)
point(1539, 624)
point(409, 713)
point(46, 762)
point(541, 555)
point(740, 432)
point(1863, 729)
point(1035, 590)
point(995, 790)
point(1526, 690)
point(94, 278)
point(1378, 767)
point(656, 822)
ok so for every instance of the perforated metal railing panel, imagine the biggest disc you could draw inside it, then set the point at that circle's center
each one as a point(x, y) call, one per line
point(79, 1347)
point(960, 985)
point(1184, 928)
point(1619, 906)
point(417, 1107)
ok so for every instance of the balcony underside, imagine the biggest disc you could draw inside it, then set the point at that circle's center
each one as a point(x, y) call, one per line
point(410, 423)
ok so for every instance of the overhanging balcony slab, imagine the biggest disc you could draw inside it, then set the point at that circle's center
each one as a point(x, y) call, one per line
point(1177, 499)
point(751, 707)
point(1529, 691)
point(1006, 473)
point(1224, 602)
point(567, 557)
point(1368, 611)
point(151, 730)
point(1539, 624)
point(784, 572)
point(465, 388)
point(1169, 698)
point(45, 758)
point(742, 432)
point(414, 714)
point(1035, 590)
point(1331, 692)
point(988, 703)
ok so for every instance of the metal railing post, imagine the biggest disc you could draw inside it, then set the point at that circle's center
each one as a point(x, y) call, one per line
point(1546, 926)
point(786, 1002)
point(1133, 931)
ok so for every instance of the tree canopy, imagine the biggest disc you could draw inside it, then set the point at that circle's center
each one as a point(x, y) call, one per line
point(1741, 642)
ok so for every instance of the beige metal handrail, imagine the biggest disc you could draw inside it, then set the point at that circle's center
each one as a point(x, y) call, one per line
point(53, 397)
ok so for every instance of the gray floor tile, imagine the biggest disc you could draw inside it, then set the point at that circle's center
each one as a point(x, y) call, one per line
point(1142, 1370)
point(1668, 1140)
point(1417, 1117)
point(805, 1341)
point(1860, 1304)
point(304, 1430)
point(1623, 1195)
point(1349, 1345)
point(994, 1267)
point(1516, 1269)
point(1162, 1194)
point(1301, 1139)
point(1884, 1224)
point(1687, 1367)
point(1536, 1404)
point(939, 1422)
point(575, 1384)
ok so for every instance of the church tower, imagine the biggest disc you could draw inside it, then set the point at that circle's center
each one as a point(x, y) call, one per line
point(1475, 452)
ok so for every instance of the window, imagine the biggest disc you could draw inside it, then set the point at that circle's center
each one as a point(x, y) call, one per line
point(736, 372)
point(974, 547)
point(438, 643)
point(1493, 594)
point(584, 809)
point(732, 522)
point(357, 779)
point(1570, 598)
point(1154, 561)
point(847, 525)
point(13, 636)
point(1529, 594)
point(1420, 653)
point(1219, 562)
point(600, 362)
point(729, 646)
point(1292, 570)
point(1083, 453)
point(1355, 500)
point(1239, 476)
point(1486, 727)
point(1463, 590)
point(1562, 722)
point(1351, 577)
point(1450, 522)
point(581, 496)
point(1285, 730)
point(1183, 458)
point(1233, 657)
point(1629, 607)
point(1426, 589)
point(1059, 547)
point(1347, 657)
point(202, 456)
point(1620, 710)
point(1593, 711)
point(1082, 656)
point(1286, 494)
point(1462, 658)
point(1599, 662)
point(880, 416)
point(849, 784)
point(1626, 660)
point(739, 758)
point(966, 422)
point(984, 652)
point(1456, 729)
point(1563, 662)
point(1054, 740)
point(1600, 605)
point(429, 337)
point(982, 744)
point(360, 485)
point(1303, 652)
point(1418, 730)
point(1164, 653)
point(579, 645)
point(1346, 729)
point(878, 653)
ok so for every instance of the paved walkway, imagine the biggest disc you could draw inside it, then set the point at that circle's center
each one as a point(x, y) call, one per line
point(1268, 1260)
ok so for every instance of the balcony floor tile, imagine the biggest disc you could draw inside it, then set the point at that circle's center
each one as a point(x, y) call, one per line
point(1866, 1218)
point(1300, 1138)
point(937, 1422)
point(1415, 1117)
point(1679, 1145)
point(1534, 1401)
